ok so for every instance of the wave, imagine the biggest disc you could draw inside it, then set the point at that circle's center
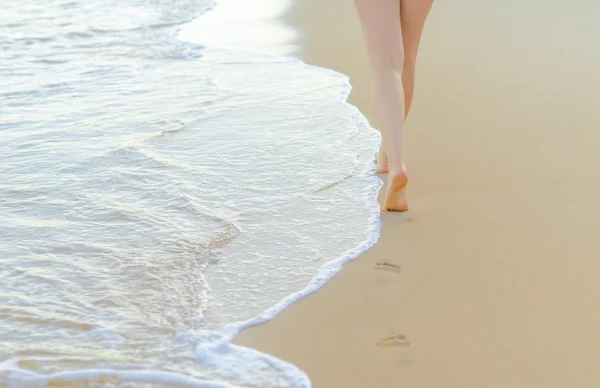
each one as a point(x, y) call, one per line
point(137, 199)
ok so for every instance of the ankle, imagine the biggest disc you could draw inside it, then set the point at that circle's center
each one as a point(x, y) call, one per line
point(397, 169)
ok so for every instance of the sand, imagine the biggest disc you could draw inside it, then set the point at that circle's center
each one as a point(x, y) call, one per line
point(497, 281)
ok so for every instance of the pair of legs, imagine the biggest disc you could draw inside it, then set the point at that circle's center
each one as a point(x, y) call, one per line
point(392, 31)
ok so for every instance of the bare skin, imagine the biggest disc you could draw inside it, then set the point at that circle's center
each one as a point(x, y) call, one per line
point(392, 31)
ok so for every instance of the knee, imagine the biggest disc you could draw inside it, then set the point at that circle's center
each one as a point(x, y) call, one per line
point(397, 56)
point(383, 35)
point(389, 58)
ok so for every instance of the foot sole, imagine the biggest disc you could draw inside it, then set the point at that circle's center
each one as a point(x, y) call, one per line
point(395, 199)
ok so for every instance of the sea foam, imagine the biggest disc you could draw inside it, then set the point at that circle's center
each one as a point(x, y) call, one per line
point(169, 193)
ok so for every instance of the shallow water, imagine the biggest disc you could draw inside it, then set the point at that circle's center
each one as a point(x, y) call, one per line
point(155, 192)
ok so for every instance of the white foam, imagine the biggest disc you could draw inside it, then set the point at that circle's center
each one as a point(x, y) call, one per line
point(329, 269)
point(257, 32)
point(244, 25)
point(215, 347)
point(200, 30)
point(15, 376)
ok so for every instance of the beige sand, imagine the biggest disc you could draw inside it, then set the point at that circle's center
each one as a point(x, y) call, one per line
point(500, 253)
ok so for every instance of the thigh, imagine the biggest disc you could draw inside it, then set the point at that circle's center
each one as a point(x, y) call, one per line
point(382, 30)
point(413, 14)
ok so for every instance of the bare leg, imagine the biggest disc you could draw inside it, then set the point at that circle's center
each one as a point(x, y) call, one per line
point(383, 37)
point(413, 14)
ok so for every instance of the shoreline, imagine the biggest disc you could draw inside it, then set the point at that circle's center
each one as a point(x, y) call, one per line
point(274, 15)
point(218, 19)
point(480, 290)
point(210, 346)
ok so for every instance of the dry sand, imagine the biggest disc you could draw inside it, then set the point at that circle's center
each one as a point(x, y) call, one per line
point(500, 253)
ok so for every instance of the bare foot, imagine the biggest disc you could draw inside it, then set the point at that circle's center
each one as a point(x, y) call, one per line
point(395, 199)
point(382, 162)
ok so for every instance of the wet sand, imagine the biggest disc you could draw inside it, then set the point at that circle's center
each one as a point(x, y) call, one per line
point(493, 276)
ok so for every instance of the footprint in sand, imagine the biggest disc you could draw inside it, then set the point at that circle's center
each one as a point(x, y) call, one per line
point(394, 340)
point(387, 266)
point(382, 278)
